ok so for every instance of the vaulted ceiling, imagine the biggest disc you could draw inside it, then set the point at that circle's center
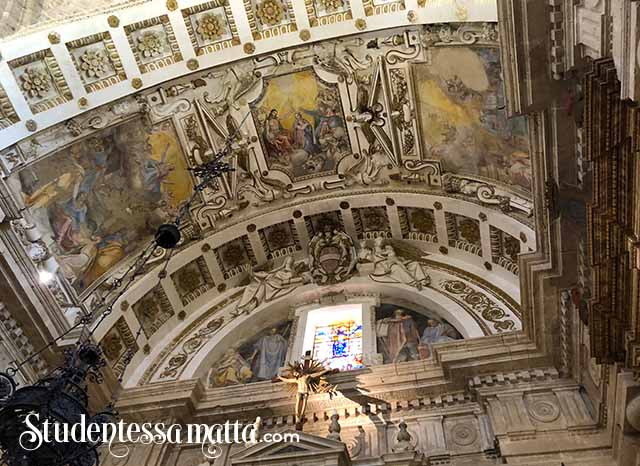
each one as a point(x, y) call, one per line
point(401, 134)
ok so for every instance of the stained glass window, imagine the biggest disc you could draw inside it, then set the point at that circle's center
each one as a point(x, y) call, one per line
point(339, 345)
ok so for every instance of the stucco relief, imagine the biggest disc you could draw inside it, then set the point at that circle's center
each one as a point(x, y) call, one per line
point(316, 124)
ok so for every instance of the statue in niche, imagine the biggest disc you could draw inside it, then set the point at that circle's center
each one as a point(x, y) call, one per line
point(304, 378)
point(267, 286)
point(438, 332)
point(269, 354)
point(232, 369)
point(398, 337)
point(388, 267)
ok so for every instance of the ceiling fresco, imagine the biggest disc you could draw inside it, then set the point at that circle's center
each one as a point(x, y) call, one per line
point(463, 118)
point(382, 115)
point(301, 124)
point(103, 197)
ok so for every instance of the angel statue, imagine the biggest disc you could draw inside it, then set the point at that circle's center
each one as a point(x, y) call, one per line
point(267, 286)
point(304, 378)
point(389, 268)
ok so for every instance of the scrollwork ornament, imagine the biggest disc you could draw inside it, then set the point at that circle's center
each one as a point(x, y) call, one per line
point(481, 304)
point(190, 346)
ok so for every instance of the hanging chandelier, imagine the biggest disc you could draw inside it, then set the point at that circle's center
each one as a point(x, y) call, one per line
point(61, 398)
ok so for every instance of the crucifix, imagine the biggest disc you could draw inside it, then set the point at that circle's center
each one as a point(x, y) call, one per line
point(304, 378)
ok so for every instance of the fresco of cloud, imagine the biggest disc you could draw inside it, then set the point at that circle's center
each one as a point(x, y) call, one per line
point(463, 117)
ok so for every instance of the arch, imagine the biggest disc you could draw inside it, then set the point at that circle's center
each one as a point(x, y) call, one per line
point(280, 309)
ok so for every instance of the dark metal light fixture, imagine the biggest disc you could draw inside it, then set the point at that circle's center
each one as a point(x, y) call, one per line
point(62, 396)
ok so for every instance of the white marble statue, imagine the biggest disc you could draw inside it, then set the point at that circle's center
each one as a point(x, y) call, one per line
point(267, 286)
point(388, 267)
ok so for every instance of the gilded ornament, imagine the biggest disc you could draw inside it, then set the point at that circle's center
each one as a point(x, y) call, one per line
point(360, 24)
point(412, 16)
point(305, 35)
point(113, 21)
point(35, 82)
point(146, 349)
point(210, 27)
point(331, 6)
point(193, 64)
point(54, 37)
point(172, 5)
point(31, 125)
point(93, 63)
point(249, 47)
point(149, 44)
point(83, 102)
point(136, 83)
point(270, 12)
point(437, 205)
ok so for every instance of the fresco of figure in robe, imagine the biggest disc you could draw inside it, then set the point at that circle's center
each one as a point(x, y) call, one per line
point(404, 334)
point(232, 369)
point(81, 197)
point(301, 125)
point(463, 117)
point(269, 354)
point(257, 359)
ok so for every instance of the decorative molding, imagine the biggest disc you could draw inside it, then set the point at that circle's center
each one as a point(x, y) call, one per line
point(211, 26)
point(8, 115)
point(270, 18)
point(153, 43)
point(40, 80)
point(321, 15)
point(487, 309)
point(97, 61)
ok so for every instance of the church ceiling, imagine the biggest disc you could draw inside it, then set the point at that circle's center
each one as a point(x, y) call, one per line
point(394, 141)
point(376, 111)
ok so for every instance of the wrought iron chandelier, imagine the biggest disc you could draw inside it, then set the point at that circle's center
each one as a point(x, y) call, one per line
point(62, 396)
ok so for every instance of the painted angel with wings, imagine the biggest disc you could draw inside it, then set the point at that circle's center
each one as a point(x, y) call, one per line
point(389, 267)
